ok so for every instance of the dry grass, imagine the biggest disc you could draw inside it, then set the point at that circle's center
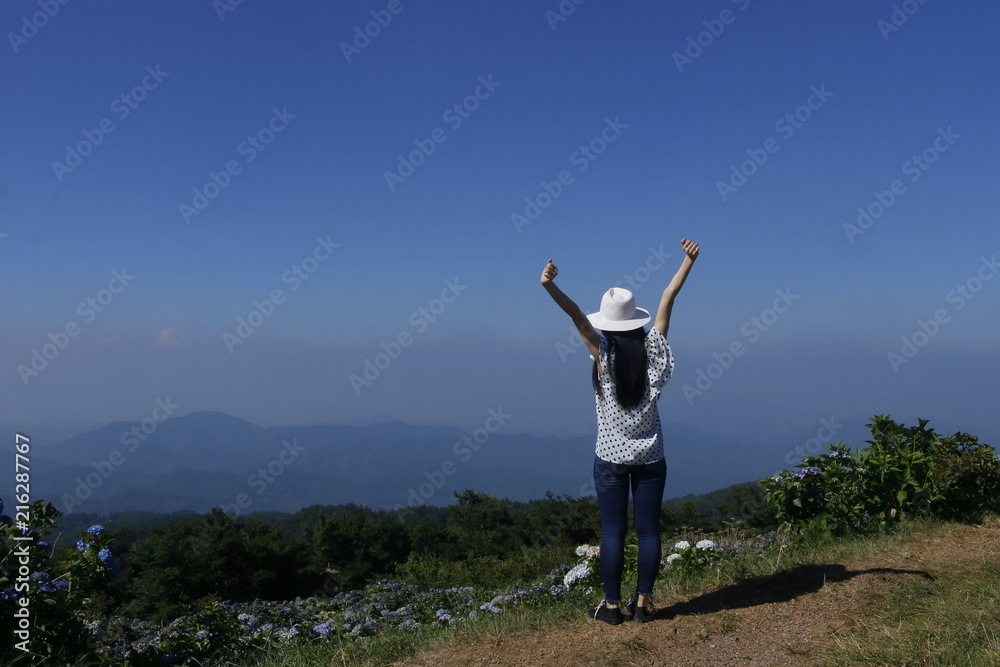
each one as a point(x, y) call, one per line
point(924, 596)
point(916, 598)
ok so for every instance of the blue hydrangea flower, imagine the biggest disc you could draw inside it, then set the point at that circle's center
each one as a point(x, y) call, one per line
point(323, 629)
point(109, 561)
point(247, 619)
point(96, 529)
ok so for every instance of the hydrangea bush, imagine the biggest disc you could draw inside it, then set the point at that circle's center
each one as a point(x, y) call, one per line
point(905, 471)
point(67, 626)
point(57, 596)
point(685, 558)
point(586, 573)
point(225, 632)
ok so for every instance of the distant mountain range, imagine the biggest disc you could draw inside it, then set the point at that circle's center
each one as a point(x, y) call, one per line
point(210, 459)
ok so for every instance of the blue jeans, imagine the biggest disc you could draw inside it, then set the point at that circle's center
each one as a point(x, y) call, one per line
point(613, 481)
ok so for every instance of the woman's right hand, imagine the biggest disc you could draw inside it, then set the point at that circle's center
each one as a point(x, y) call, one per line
point(549, 273)
point(691, 249)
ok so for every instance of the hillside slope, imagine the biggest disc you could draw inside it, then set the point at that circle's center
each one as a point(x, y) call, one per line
point(851, 610)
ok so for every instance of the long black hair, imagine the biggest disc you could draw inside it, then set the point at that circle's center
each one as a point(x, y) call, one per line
point(627, 360)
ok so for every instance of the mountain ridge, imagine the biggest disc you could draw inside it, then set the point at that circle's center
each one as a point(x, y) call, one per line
point(207, 459)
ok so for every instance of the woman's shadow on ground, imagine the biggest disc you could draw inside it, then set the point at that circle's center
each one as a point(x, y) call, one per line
point(779, 587)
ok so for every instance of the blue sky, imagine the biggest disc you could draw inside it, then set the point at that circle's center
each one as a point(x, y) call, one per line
point(329, 121)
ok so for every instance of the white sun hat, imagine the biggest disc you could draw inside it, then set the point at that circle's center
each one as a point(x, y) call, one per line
point(618, 312)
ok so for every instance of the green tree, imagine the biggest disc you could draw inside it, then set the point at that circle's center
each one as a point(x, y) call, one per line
point(560, 520)
point(484, 525)
point(213, 557)
point(685, 516)
point(435, 540)
point(359, 545)
point(746, 503)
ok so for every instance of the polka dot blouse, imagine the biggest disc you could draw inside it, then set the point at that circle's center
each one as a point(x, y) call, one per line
point(633, 437)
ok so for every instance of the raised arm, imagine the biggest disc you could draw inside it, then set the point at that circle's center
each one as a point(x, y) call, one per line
point(662, 322)
point(583, 325)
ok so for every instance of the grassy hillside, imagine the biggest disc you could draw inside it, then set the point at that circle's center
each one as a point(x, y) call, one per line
point(925, 595)
point(896, 540)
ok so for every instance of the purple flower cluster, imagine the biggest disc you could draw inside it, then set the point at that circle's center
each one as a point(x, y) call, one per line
point(47, 585)
point(347, 616)
point(109, 561)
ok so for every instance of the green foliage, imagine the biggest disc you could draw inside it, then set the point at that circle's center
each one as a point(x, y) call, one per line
point(358, 545)
point(177, 566)
point(687, 516)
point(689, 560)
point(50, 628)
point(827, 495)
point(491, 543)
point(967, 478)
point(484, 525)
point(710, 512)
point(481, 572)
point(904, 472)
point(630, 567)
point(746, 504)
point(434, 540)
point(559, 519)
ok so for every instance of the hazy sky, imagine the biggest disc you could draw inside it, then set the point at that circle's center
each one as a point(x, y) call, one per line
point(241, 206)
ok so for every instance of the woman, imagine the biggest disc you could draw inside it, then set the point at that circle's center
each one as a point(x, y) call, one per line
point(630, 368)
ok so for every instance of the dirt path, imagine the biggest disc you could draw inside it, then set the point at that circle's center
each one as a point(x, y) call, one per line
point(785, 619)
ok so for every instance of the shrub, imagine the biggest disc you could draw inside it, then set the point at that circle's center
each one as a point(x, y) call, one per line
point(688, 559)
point(57, 596)
point(904, 472)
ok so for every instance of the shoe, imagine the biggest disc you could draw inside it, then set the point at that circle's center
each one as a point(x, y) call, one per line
point(602, 612)
point(640, 614)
